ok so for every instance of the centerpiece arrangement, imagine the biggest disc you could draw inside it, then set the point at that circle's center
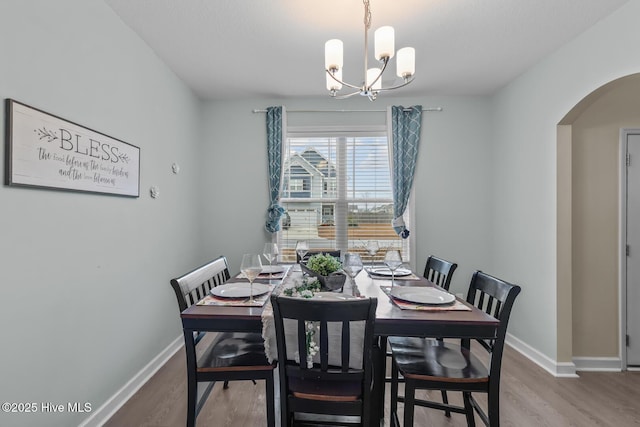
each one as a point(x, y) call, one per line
point(327, 269)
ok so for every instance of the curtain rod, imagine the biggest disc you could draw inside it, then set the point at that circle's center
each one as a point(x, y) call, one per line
point(429, 109)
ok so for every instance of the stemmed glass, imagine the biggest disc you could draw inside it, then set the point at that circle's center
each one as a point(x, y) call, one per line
point(270, 252)
point(251, 267)
point(352, 265)
point(372, 248)
point(302, 247)
point(393, 260)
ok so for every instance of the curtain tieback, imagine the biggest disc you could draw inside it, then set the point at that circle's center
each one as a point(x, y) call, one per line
point(274, 212)
point(400, 228)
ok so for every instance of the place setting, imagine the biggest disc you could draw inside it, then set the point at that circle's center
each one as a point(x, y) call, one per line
point(252, 287)
point(429, 298)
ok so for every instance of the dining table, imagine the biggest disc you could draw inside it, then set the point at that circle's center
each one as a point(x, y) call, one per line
point(394, 317)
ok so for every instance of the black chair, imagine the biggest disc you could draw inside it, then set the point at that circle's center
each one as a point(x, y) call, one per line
point(331, 386)
point(230, 356)
point(333, 252)
point(439, 271)
point(440, 365)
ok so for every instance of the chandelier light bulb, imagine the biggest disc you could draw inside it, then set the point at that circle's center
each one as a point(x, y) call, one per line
point(372, 74)
point(406, 62)
point(333, 54)
point(384, 43)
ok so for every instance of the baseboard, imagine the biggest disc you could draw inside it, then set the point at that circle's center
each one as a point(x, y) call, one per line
point(115, 402)
point(600, 364)
point(557, 369)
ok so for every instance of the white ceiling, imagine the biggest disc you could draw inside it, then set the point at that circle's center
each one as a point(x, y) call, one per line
point(275, 48)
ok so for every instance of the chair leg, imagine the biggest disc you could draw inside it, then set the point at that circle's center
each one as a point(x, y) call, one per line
point(394, 390)
point(445, 400)
point(270, 393)
point(468, 407)
point(225, 385)
point(192, 397)
point(409, 401)
point(493, 409)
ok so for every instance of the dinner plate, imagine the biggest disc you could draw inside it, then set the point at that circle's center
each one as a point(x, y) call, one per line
point(384, 271)
point(239, 290)
point(422, 295)
point(266, 269)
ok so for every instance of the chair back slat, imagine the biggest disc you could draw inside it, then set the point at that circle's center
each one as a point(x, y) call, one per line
point(324, 345)
point(439, 271)
point(336, 253)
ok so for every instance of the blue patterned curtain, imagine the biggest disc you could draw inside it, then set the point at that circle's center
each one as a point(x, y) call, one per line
point(274, 156)
point(405, 127)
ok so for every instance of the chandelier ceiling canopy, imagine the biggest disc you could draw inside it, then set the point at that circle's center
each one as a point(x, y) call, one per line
point(372, 79)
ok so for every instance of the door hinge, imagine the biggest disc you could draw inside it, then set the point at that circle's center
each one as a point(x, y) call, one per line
point(628, 159)
point(628, 250)
point(627, 339)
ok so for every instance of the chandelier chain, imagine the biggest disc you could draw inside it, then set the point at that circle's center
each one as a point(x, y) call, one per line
point(367, 14)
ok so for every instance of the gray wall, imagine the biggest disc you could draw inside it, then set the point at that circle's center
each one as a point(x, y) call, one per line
point(85, 298)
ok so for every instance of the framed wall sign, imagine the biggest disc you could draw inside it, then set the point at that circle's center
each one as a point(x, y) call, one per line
point(46, 151)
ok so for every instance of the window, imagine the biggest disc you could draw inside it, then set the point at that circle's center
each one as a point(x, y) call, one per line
point(337, 192)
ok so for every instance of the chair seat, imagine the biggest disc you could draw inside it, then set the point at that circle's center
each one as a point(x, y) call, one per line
point(241, 350)
point(438, 361)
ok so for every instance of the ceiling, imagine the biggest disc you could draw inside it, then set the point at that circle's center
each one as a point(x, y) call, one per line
point(226, 49)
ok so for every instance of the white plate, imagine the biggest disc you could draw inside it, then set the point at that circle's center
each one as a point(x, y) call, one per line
point(332, 296)
point(384, 271)
point(266, 269)
point(239, 290)
point(422, 295)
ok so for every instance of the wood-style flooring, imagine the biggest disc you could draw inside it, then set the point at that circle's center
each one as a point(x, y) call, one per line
point(530, 397)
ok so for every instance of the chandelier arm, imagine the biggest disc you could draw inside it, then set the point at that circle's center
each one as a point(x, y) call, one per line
point(348, 95)
point(396, 87)
point(341, 82)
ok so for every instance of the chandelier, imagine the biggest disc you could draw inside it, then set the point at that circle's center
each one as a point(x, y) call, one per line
point(384, 51)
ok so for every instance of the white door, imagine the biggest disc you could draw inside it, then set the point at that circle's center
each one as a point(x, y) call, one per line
point(633, 250)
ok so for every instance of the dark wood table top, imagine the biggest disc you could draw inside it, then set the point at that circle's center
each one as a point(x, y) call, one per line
point(390, 319)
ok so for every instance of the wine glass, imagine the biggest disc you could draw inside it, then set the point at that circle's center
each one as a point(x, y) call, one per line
point(251, 267)
point(352, 265)
point(302, 247)
point(372, 248)
point(393, 260)
point(270, 252)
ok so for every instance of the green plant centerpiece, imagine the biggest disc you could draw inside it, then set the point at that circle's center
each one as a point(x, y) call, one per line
point(327, 269)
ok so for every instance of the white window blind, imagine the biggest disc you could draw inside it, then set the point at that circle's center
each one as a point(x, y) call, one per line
point(337, 194)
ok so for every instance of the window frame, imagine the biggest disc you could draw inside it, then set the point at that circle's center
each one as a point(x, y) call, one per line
point(407, 245)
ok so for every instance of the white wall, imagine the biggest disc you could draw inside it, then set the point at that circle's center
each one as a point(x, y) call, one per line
point(85, 300)
point(452, 186)
point(526, 113)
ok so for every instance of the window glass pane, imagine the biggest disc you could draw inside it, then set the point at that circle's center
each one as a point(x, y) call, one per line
point(337, 194)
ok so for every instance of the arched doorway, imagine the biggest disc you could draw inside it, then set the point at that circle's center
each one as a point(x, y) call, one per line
point(588, 171)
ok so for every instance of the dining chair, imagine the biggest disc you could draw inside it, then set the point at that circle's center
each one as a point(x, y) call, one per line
point(338, 383)
point(231, 356)
point(439, 271)
point(442, 365)
point(336, 253)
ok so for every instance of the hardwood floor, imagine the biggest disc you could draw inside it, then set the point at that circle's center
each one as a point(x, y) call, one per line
point(530, 397)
